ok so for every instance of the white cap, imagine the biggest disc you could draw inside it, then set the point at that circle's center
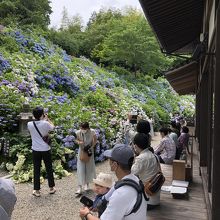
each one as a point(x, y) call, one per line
point(104, 179)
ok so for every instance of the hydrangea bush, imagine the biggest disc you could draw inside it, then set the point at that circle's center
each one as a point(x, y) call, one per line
point(71, 90)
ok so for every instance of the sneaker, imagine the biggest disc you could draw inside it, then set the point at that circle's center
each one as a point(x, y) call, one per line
point(79, 191)
point(36, 193)
point(52, 190)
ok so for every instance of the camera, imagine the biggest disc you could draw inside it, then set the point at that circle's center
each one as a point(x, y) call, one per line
point(133, 118)
point(88, 150)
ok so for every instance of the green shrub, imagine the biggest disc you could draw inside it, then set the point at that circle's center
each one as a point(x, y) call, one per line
point(8, 43)
point(120, 70)
point(97, 99)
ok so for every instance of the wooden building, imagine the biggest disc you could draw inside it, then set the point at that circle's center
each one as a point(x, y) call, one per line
point(193, 27)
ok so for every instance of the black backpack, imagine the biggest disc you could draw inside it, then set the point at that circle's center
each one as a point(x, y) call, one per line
point(126, 182)
point(138, 187)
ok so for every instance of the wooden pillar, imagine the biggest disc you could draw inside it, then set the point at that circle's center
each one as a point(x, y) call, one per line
point(197, 131)
point(203, 120)
point(210, 123)
point(216, 146)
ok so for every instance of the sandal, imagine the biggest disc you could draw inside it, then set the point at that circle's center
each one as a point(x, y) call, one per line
point(36, 193)
point(52, 190)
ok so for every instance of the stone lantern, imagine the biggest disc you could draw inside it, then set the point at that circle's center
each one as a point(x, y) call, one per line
point(24, 117)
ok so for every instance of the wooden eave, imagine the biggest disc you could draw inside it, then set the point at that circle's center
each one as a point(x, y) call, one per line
point(184, 79)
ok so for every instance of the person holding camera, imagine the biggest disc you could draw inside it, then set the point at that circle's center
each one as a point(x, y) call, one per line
point(86, 139)
point(41, 150)
point(126, 200)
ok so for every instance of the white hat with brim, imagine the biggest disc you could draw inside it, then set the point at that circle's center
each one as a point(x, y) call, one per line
point(104, 179)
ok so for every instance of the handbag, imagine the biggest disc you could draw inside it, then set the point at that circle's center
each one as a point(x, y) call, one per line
point(153, 185)
point(45, 138)
point(84, 156)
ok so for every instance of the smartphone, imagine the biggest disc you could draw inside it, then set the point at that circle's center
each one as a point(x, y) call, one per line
point(133, 119)
point(86, 201)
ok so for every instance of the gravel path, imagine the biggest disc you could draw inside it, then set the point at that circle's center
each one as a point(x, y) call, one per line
point(61, 206)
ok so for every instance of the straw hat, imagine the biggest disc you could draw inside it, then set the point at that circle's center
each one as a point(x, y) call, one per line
point(104, 179)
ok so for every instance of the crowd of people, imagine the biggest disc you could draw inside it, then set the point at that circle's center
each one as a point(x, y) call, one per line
point(138, 161)
point(134, 163)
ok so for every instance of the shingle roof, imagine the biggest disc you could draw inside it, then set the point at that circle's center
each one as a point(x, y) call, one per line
point(184, 78)
point(176, 23)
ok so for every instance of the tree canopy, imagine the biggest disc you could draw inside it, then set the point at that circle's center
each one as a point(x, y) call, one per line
point(114, 38)
point(25, 12)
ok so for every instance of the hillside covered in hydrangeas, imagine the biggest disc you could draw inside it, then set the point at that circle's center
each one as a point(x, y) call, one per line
point(72, 90)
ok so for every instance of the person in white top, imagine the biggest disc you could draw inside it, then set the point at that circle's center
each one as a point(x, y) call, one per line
point(121, 200)
point(40, 149)
point(146, 165)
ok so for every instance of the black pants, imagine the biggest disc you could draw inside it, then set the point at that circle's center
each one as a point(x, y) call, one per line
point(37, 158)
point(160, 158)
point(178, 152)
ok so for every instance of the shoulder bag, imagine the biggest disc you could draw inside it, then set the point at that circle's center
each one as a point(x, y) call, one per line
point(84, 157)
point(153, 185)
point(45, 138)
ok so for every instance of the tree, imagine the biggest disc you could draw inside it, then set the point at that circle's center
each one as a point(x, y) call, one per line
point(98, 28)
point(35, 12)
point(25, 12)
point(65, 19)
point(130, 44)
point(7, 12)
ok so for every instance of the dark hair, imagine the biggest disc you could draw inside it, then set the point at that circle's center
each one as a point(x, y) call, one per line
point(126, 167)
point(38, 112)
point(164, 130)
point(84, 125)
point(185, 129)
point(141, 140)
point(169, 130)
point(173, 123)
point(143, 126)
point(178, 126)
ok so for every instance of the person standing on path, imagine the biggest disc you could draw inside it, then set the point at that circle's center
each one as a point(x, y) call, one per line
point(86, 137)
point(40, 149)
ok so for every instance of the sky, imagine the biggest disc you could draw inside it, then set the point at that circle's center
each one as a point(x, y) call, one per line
point(85, 8)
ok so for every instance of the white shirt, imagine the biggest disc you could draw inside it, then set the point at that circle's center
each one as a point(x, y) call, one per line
point(146, 166)
point(122, 202)
point(44, 127)
point(174, 137)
